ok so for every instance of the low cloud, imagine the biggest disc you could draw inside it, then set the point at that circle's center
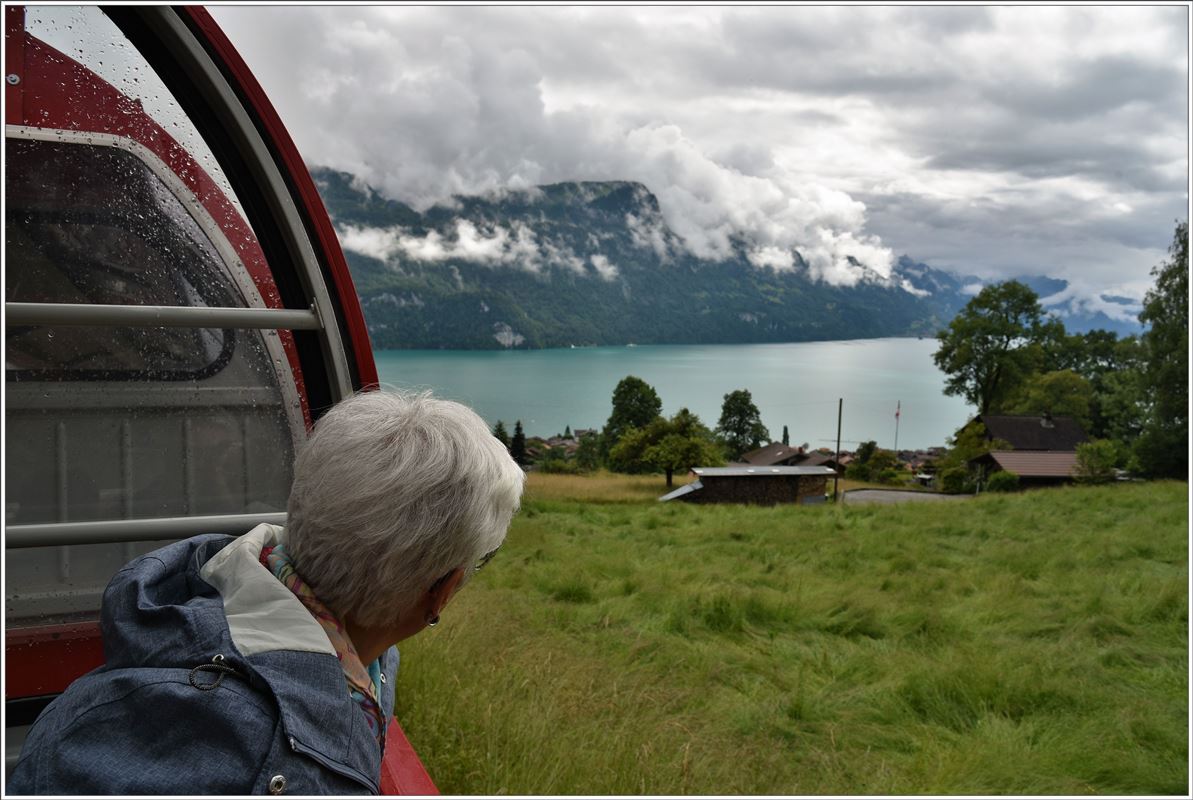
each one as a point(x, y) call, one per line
point(516, 247)
point(995, 141)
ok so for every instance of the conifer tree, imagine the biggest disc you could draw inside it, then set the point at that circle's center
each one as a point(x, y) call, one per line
point(518, 445)
point(786, 438)
point(501, 434)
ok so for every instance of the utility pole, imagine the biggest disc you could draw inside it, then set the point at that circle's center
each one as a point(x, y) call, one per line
point(837, 470)
point(898, 406)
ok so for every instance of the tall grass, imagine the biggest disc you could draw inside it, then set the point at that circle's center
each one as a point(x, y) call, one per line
point(1021, 644)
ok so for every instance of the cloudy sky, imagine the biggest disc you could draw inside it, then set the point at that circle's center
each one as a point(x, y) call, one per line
point(991, 141)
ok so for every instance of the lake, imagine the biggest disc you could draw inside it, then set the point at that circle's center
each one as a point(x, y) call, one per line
point(796, 385)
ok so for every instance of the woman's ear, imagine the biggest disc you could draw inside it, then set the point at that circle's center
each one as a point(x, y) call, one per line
point(442, 591)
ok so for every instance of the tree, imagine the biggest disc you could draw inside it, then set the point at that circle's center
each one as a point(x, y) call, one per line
point(629, 454)
point(1095, 461)
point(786, 438)
point(635, 405)
point(670, 445)
point(588, 454)
point(1060, 393)
point(740, 426)
point(953, 474)
point(500, 432)
point(688, 443)
point(1121, 402)
point(986, 350)
point(873, 464)
point(1162, 447)
point(567, 431)
point(554, 461)
point(865, 451)
point(518, 445)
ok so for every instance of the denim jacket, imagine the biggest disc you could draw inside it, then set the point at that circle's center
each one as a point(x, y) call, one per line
point(217, 681)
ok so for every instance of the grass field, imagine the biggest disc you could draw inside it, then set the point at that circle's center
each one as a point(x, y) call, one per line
point(1017, 644)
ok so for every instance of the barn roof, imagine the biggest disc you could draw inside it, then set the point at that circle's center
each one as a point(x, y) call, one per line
point(744, 471)
point(1035, 432)
point(817, 459)
point(773, 453)
point(1037, 464)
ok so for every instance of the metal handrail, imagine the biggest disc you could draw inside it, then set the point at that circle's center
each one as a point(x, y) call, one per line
point(52, 534)
point(160, 316)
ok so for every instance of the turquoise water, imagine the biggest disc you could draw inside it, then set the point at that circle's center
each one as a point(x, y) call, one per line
point(796, 385)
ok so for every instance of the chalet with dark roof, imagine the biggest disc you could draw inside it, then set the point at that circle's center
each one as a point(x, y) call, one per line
point(775, 454)
point(1044, 448)
point(1057, 434)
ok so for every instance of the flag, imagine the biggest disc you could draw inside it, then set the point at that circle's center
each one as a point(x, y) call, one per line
point(898, 405)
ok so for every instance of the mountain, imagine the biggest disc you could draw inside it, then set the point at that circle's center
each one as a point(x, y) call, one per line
point(594, 263)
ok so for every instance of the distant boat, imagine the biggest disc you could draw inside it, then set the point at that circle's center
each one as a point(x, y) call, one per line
point(631, 344)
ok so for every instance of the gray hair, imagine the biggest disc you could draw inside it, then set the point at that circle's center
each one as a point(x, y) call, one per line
point(391, 492)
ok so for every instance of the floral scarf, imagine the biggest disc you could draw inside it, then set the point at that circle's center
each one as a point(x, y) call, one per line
point(364, 684)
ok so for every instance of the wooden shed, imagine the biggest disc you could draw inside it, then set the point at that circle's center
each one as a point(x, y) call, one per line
point(758, 485)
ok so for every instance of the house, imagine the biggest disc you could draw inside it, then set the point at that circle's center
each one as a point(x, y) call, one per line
point(1022, 432)
point(1034, 467)
point(758, 485)
point(1044, 448)
point(817, 459)
point(775, 454)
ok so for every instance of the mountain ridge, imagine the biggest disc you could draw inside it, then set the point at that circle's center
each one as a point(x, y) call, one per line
point(594, 263)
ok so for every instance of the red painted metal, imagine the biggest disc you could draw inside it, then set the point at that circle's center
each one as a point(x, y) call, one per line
point(310, 204)
point(45, 659)
point(14, 60)
point(401, 770)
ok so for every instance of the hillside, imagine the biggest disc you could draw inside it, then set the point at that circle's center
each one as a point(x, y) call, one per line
point(595, 264)
point(1031, 644)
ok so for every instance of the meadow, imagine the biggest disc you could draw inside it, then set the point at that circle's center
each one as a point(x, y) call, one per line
point(1033, 643)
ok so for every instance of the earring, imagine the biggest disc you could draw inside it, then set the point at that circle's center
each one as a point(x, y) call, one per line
point(432, 621)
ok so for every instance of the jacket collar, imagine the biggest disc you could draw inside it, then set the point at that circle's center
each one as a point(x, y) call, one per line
point(288, 648)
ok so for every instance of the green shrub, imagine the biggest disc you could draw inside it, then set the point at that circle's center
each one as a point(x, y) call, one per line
point(1002, 481)
point(557, 466)
point(954, 480)
point(1095, 461)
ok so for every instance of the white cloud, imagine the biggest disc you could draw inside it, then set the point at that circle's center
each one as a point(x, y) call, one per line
point(601, 264)
point(776, 258)
point(492, 245)
point(648, 232)
point(998, 142)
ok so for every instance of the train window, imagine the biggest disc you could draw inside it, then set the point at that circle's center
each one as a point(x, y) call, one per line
point(67, 242)
point(114, 199)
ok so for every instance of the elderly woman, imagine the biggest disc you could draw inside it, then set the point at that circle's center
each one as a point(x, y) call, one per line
point(265, 663)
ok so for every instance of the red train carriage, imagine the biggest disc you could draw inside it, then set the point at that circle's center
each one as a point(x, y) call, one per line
point(178, 312)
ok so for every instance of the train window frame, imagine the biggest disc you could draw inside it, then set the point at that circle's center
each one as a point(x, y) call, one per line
point(232, 266)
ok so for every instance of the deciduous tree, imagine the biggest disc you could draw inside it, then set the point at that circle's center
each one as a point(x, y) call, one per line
point(986, 351)
point(635, 405)
point(1062, 393)
point(740, 426)
point(1162, 447)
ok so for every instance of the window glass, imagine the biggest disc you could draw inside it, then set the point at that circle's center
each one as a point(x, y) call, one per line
point(67, 242)
point(86, 35)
